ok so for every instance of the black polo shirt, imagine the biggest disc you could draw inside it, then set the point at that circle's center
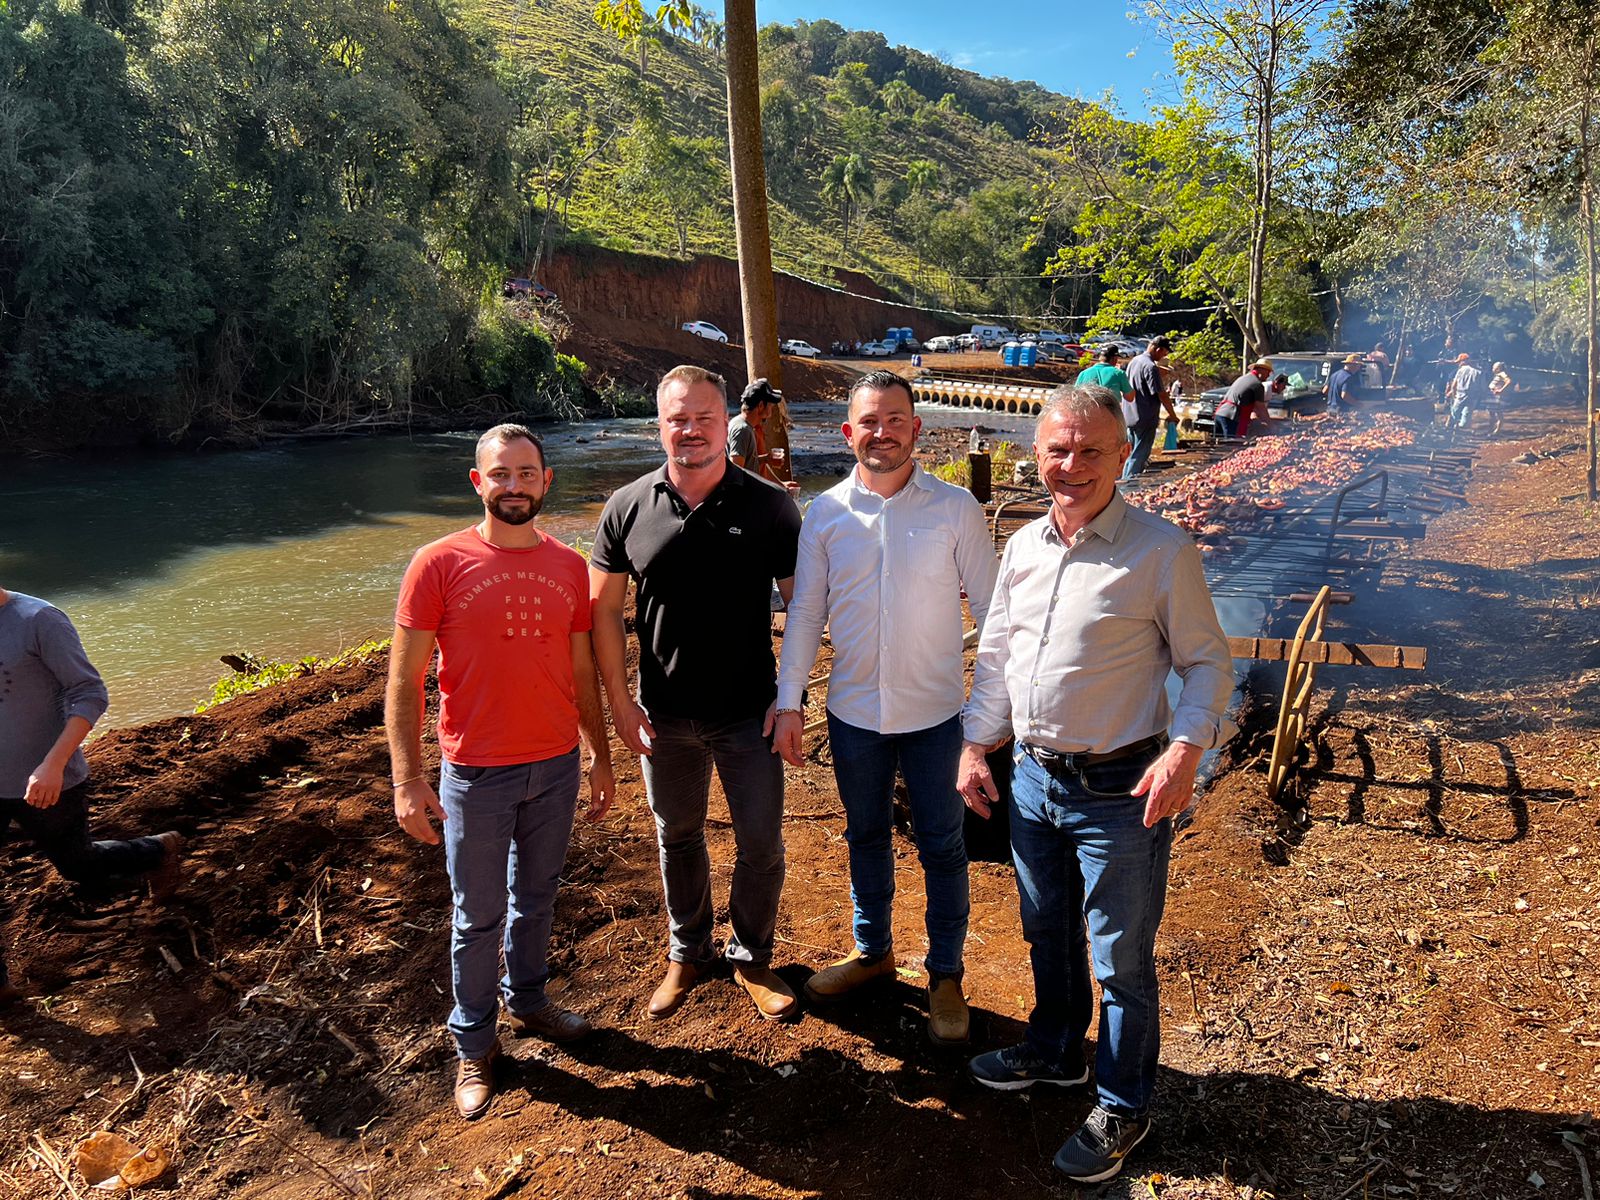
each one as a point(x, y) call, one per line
point(704, 581)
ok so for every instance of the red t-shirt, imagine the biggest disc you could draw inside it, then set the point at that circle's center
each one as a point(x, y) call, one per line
point(504, 620)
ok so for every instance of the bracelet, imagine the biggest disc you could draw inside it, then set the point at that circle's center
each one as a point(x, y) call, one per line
point(780, 711)
point(406, 780)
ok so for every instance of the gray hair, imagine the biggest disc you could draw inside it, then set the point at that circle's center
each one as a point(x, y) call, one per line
point(1082, 400)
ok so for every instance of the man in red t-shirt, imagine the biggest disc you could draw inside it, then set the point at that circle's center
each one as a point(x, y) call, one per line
point(507, 607)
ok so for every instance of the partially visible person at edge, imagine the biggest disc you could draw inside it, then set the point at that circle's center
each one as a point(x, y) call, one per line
point(1380, 355)
point(1108, 373)
point(704, 543)
point(1096, 603)
point(747, 436)
point(884, 557)
point(506, 606)
point(1241, 398)
point(51, 700)
point(1149, 399)
point(1466, 391)
point(1343, 388)
point(1499, 385)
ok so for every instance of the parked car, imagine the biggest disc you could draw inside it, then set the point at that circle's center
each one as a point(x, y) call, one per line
point(527, 289)
point(704, 329)
point(968, 341)
point(797, 347)
point(838, 347)
point(942, 344)
point(910, 344)
point(1052, 350)
point(1050, 335)
point(876, 350)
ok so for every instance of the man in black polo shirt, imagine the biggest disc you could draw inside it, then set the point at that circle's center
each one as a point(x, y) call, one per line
point(703, 541)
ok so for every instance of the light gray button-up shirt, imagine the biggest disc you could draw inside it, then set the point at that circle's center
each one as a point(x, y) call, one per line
point(1081, 637)
point(886, 577)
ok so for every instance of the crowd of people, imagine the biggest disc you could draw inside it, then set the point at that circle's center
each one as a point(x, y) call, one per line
point(1081, 621)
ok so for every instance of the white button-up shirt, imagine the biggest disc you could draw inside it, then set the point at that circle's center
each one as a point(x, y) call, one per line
point(886, 577)
point(1081, 637)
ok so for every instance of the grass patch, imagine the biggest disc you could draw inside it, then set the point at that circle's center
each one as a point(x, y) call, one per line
point(260, 673)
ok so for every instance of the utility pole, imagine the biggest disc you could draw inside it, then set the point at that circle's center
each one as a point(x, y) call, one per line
point(757, 294)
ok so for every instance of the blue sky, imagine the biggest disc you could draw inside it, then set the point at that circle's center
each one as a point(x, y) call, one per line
point(1078, 49)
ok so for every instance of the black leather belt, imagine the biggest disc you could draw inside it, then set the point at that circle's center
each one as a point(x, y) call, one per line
point(1055, 761)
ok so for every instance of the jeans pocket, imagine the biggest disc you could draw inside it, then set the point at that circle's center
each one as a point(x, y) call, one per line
point(1112, 780)
point(464, 774)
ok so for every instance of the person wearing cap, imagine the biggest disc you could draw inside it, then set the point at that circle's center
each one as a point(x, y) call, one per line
point(1344, 384)
point(747, 431)
point(1247, 391)
point(1466, 391)
point(1149, 398)
point(1499, 385)
point(1108, 373)
point(1257, 413)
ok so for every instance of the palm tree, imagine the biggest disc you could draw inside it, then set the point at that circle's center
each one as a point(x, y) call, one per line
point(847, 182)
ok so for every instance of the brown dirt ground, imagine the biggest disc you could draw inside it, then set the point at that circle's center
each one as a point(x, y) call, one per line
point(1390, 995)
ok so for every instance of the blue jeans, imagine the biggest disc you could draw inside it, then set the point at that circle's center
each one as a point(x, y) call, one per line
point(1226, 426)
point(1084, 858)
point(1460, 415)
point(1144, 441)
point(677, 781)
point(864, 765)
point(506, 831)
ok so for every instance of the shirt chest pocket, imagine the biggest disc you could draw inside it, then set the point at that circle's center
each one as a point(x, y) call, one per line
point(929, 553)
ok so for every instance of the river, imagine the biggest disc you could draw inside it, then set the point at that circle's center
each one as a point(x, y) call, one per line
point(165, 562)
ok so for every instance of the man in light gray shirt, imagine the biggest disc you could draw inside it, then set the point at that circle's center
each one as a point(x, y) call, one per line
point(50, 698)
point(884, 557)
point(1096, 603)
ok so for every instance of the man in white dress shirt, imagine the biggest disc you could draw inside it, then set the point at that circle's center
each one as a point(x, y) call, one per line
point(1096, 603)
point(884, 557)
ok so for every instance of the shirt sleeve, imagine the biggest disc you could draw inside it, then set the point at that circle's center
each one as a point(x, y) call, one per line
point(785, 539)
point(808, 611)
point(975, 558)
point(742, 441)
point(986, 718)
point(421, 604)
point(610, 552)
point(1200, 654)
point(83, 692)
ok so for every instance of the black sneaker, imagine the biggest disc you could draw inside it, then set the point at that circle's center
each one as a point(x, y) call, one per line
point(1018, 1067)
point(1095, 1153)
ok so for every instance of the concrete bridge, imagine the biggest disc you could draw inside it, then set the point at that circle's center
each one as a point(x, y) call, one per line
point(1027, 399)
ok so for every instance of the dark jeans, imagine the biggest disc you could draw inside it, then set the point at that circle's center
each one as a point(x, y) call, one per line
point(1087, 865)
point(1144, 441)
point(61, 832)
point(677, 780)
point(864, 765)
point(506, 831)
point(1226, 426)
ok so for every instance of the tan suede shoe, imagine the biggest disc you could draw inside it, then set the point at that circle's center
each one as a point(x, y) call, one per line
point(669, 994)
point(774, 999)
point(551, 1022)
point(948, 1018)
point(164, 879)
point(846, 975)
point(475, 1083)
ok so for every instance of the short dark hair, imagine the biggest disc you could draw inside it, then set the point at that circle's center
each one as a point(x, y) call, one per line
point(690, 375)
point(881, 381)
point(1160, 342)
point(759, 392)
point(508, 433)
point(1110, 353)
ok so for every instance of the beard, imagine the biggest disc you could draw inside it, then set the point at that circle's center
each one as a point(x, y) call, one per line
point(880, 460)
point(695, 458)
point(518, 515)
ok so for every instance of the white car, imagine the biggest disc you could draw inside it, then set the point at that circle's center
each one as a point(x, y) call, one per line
point(968, 341)
point(877, 350)
point(803, 349)
point(1050, 335)
point(939, 345)
point(706, 330)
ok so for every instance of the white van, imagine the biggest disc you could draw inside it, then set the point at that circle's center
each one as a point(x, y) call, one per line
point(990, 336)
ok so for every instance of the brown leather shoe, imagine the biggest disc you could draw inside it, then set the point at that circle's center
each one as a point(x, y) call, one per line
point(669, 994)
point(775, 1001)
point(551, 1022)
point(164, 879)
point(475, 1083)
point(948, 1018)
point(849, 973)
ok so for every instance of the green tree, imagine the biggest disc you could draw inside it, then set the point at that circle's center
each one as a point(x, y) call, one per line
point(852, 86)
point(847, 182)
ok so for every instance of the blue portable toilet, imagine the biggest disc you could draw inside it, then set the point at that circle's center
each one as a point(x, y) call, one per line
point(1028, 355)
point(1010, 353)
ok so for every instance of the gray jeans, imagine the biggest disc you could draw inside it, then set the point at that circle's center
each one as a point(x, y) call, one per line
point(677, 780)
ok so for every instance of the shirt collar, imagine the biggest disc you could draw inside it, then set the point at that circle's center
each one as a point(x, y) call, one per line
point(1107, 526)
point(919, 478)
